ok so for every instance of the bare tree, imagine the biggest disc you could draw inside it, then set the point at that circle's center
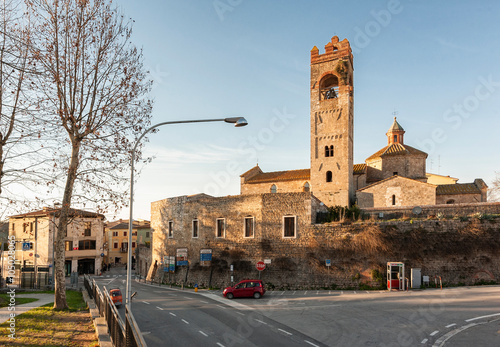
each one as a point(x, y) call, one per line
point(93, 89)
point(18, 136)
point(494, 189)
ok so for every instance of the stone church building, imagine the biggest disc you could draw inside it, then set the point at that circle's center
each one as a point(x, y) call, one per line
point(283, 205)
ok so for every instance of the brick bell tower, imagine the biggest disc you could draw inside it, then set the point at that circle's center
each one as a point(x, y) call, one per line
point(332, 123)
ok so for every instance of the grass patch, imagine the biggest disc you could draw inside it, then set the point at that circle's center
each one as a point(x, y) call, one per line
point(44, 326)
point(5, 300)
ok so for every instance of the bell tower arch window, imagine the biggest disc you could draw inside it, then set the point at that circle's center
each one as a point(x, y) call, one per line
point(328, 176)
point(329, 151)
point(329, 87)
point(273, 188)
point(307, 187)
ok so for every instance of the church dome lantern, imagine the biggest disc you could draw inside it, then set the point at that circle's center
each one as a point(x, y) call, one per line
point(395, 133)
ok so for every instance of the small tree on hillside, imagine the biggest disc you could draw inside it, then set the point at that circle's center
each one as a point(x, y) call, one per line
point(93, 90)
point(494, 189)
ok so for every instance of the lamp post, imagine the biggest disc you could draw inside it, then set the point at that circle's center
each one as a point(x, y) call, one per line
point(237, 121)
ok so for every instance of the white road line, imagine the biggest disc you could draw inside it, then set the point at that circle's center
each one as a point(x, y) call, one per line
point(159, 308)
point(354, 292)
point(341, 292)
point(187, 297)
point(240, 313)
point(488, 316)
point(424, 341)
point(185, 321)
point(317, 292)
point(221, 306)
point(451, 325)
point(329, 292)
point(286, 332)
point(220, 344)
point(312, 344)
point(282, 293)
point(434, 332)
point(367, 292)
point(305, 293)
point(205, 302)
point(294, 292)
point(258, 320)
point(147, 302)
point(173, 314)
point(201, 332)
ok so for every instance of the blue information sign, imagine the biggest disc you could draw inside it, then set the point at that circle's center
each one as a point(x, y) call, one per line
point(26, 246)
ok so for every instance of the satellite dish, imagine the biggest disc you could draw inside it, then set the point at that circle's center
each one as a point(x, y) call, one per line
point(417, 210)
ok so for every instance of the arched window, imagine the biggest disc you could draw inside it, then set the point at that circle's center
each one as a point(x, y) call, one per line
point(273, 188)
point(451, 201)
point(327, 151)
point(329, 87)
point(394, 200)
point(328, 176)
point(331, 151)
point(307, 187)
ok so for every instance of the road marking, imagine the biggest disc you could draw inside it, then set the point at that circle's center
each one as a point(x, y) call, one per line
point(354, 292)
point(159, 291)
point(286, 332)
point(442, 340)
point(201, 332)
point(305, 293)
point(450, 325)
point(173, 314)
point(187, 297)
point(341, 292)
point(258, 320)
point(317, 292)
point(434, 332)
point(221, 306)
point(424, 341)
point(329, 292)
point(294, 292)
point(488, 316)
point(185, 321)
point(312, 344)
point(220, 344)
point(205, 302)
point(282, 293)
point(147, 302)
point(240, 313)
point(367, 292)
point(159, 308)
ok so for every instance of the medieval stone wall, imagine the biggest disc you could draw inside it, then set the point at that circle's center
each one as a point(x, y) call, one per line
point(281, 187)
point(461, 250)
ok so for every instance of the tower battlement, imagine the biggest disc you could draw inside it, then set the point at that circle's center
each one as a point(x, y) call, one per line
point(334, 50)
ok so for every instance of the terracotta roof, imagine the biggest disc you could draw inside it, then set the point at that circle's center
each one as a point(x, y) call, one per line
point(48, 211)
point(290, 175)
point(359, 169)
point(458, 188)
point(256, 167)
point(396, 149)
point(123, 224)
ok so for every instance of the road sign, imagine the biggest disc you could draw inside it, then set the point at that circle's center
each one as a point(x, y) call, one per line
point(26, 246)
point(260, 266)
point(267, 261)
point(328, 262)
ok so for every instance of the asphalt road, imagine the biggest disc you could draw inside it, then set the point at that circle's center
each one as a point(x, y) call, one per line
point(461, 317)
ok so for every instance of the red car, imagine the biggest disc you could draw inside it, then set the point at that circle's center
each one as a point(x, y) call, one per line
point(245, 289)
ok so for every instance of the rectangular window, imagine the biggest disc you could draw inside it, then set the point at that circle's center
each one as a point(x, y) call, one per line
point(249, 226)
point(115, 245)
point(25, 227)
point(195, 228)
point(13, 226)
point(88, 228)
point(170, 229)
point(68, 245)
point(115, 233)
point(86, 244)
point(124, 247)
point(220, 227)
point(147, 234)
point(124, 233)
point(134, 233)
point(133, 244)
point(289, 224)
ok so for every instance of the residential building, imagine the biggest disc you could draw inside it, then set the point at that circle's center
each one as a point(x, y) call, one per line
point(117, 236)
point(34, 235)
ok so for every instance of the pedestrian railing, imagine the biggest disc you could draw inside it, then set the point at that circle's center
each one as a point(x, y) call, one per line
point(122, 334)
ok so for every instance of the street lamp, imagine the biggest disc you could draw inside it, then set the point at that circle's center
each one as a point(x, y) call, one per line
point(237, 121)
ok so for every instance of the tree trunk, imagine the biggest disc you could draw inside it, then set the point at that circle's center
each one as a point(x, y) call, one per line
point(60, 287)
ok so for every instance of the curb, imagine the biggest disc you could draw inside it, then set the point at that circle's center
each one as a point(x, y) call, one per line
point(100, 325)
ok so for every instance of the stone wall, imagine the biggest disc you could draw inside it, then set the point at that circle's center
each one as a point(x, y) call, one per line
point(459, 250)
point(281, 187)
point(458, 198)
point(406, 192)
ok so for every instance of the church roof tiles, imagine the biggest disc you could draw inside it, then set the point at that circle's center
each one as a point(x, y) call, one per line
point(396, 149)
point(276, 176)
point(458, 188)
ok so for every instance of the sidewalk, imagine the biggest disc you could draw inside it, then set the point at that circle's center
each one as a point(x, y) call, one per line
point(19, 309)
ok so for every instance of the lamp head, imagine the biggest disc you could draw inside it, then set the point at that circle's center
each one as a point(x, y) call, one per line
point(237, 121)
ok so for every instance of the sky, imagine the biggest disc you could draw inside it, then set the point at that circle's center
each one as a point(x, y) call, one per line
point(435, 64)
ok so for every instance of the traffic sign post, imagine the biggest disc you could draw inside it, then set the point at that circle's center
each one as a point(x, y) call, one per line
point(260, 266)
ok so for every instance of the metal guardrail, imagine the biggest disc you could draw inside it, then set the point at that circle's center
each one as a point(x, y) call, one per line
point(122, 334)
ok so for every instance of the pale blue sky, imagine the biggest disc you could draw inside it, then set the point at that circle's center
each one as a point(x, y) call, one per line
point(437, 63)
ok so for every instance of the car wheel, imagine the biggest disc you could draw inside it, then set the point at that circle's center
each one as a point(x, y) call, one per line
point(229, 295)
point(256, 295)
